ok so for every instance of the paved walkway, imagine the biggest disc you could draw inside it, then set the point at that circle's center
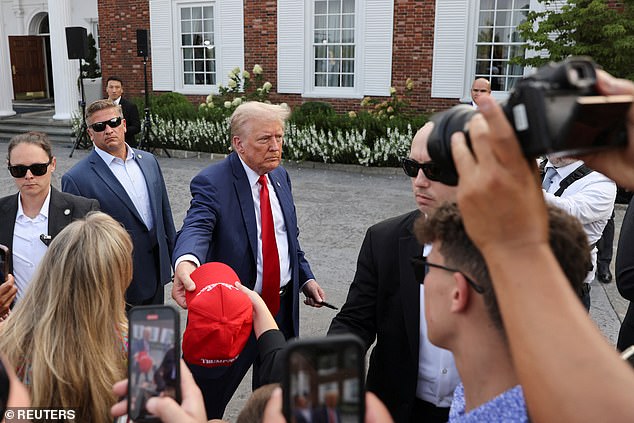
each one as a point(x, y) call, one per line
point(335, 205)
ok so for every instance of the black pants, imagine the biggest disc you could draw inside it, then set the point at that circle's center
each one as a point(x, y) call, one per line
point(424, 411)
point(605, 246)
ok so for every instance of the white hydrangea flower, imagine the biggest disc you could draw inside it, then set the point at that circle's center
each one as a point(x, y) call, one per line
point(257, 69)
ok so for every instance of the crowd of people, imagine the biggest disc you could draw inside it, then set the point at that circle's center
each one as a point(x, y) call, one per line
point(475, 299)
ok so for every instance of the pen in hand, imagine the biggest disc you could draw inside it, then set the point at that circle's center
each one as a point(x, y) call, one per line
point(325, 304)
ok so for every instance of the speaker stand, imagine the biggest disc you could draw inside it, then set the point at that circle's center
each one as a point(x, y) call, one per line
point(82, 140)
point(148, 133)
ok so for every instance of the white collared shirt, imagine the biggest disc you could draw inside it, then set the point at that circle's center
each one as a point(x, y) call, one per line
point(28, 248)
point(130, 176)
point(281, 237)
point(589, 199)
point(437, 373)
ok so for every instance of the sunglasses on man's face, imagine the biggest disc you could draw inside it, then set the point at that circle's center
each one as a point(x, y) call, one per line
point(431, 170)
point(37, 169)
point(101, 126)
point(421, 268)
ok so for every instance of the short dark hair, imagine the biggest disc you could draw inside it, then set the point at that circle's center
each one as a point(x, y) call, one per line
point(103, 104)
point(114, 78)
point(566, 236)
point(39, 139)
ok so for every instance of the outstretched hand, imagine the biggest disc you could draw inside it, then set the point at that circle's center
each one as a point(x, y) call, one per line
point(183, 282)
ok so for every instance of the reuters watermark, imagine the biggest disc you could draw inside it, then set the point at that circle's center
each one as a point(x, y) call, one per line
point(14, 414)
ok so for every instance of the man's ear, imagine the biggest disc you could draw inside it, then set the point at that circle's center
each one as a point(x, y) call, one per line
point(460, 294)
point(237, 144)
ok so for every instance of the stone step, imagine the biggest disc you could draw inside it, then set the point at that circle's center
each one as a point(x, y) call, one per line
point(59, 131)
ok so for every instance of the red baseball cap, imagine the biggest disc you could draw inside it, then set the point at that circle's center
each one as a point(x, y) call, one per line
point(220, 317)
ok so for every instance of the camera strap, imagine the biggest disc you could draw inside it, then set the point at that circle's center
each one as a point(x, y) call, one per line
point(577, 174)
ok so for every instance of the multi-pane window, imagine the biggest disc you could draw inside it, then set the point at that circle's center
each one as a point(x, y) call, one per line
point(198, 50)
point(498, 41)
point(334, 43)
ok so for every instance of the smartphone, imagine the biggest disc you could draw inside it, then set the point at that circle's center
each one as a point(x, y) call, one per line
point(5, 262)
point(153, 358)
point(324, 379)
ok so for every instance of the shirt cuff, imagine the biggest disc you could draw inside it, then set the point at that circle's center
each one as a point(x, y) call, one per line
point(187, 257)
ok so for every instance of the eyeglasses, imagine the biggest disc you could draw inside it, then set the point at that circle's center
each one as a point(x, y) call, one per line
point(37, 169)
point(421, 267)
point(432, 171)
point(101, 126)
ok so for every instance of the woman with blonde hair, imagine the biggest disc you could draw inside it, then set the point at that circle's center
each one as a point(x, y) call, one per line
point(67, 337)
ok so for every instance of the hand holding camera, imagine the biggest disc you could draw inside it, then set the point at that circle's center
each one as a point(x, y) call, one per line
point(561, 108)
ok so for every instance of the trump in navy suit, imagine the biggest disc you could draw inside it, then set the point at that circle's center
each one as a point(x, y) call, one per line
point(224, 224)
point(129, 186)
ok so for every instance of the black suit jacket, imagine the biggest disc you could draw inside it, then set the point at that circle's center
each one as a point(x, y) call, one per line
point(624, 270)
point(63, 208)
point(132, 122)
point(384, 303)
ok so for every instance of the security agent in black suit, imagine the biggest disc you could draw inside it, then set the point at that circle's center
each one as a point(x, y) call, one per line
point(114, 88)
point(384, 299)
point(31, 163)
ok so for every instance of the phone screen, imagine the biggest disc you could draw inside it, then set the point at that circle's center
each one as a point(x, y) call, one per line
point(5, 262)
point(153, 357)
point(324, 380)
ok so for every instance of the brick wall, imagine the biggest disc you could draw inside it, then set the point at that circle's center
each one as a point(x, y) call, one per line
point(412, 48)
point(118, 22)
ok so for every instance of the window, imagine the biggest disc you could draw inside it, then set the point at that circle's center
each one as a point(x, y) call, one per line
point(198, 49)
point(334, 43)
point(498, 42)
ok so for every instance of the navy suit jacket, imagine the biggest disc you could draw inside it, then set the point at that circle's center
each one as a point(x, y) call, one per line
point(62, 209)
point(220, 224)
point(92, 178)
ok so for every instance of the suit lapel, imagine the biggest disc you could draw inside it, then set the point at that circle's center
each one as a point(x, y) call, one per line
point(112, 183)
point(59, 213)
point(409, 247)
point(241, 185)
point(8, 211)
point(286, 204)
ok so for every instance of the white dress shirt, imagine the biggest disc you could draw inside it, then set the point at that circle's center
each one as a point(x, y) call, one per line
point(130, 176)
point(589, 199)
point(28, 248)
point(437, 373)
point(280, 228)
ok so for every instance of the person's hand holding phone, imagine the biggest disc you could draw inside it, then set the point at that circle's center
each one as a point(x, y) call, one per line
point(192, 410)
point(8, 291)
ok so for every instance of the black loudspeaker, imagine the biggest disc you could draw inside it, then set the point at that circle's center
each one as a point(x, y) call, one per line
point(77, 42)
point(142, 49)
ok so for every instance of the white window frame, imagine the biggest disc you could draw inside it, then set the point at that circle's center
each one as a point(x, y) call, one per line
point(179, 67)
point(310, 90)
point(472, 38)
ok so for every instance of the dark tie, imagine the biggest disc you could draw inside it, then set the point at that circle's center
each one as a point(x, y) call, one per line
point(548, 178)
point(270, 257)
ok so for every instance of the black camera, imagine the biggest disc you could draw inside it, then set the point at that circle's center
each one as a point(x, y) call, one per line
point(555, 110)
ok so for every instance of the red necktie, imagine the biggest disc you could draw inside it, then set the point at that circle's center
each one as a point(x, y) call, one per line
point(270, 257)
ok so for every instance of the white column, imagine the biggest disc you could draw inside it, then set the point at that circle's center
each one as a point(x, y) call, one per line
point(6, 82)
point(65, 71)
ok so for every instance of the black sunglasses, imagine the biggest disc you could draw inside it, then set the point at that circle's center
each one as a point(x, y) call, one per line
point(37, 169)
point(432, 170)
point(101, 126)
point(421, 267)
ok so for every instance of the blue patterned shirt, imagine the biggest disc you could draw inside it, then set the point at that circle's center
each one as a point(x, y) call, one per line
point(508, 407)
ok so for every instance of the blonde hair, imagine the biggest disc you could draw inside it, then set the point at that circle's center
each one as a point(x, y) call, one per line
point(255, 110)
point(67, 332)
